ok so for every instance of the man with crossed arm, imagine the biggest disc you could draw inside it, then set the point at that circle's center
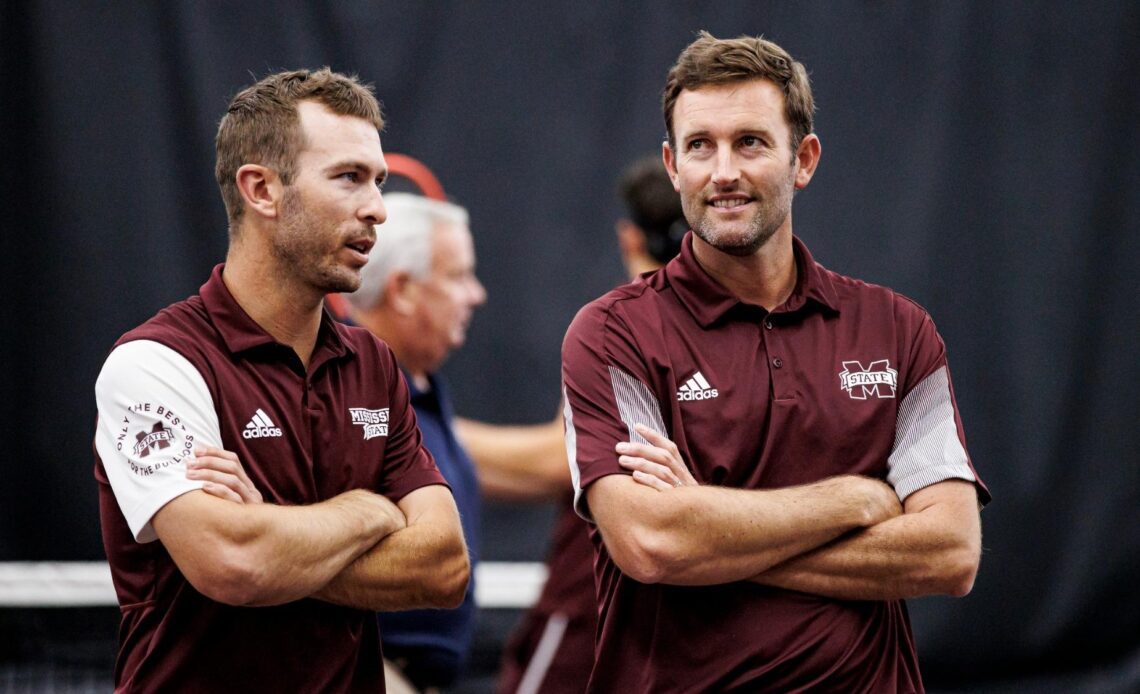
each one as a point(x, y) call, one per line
point(770, 451)
point(252, 373)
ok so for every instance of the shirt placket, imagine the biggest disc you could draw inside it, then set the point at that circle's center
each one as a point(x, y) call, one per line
point(776, 357)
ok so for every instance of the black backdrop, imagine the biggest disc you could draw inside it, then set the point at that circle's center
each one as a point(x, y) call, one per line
point(979, 157)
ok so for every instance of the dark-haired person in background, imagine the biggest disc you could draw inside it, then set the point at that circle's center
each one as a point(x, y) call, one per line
point(552, 649)
point(650, 233)
point(771, 451)
point(269, 581)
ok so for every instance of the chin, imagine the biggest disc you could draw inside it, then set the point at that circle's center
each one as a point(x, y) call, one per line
point(340, 282)
point(734, 243)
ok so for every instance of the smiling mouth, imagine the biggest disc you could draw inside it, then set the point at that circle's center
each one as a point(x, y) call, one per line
point(729, 203)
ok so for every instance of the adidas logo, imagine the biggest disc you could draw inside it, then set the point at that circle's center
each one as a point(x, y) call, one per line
point(696, 388)
point(260, 427)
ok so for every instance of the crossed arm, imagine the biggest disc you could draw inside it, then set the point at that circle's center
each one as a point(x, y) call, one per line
point(844, 537)
point(357, 549)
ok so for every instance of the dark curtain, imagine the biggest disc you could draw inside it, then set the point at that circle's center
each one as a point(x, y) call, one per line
point(981, 158)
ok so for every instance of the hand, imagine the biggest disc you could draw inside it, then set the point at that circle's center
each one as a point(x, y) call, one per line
point(657, 465)
point(222, 475)
point(379, 509)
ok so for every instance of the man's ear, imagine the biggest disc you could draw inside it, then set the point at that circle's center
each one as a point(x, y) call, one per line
point(402, 292)
point(261, 189)
point(670, 164)
point(807, 158)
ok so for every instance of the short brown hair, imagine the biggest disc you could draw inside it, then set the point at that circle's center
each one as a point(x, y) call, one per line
point(710, 60)
point(261, 125)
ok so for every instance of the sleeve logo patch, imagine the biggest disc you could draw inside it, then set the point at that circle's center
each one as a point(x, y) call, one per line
point(375, 422)
point(158, 438)
point(154, 438)
point(861, 382)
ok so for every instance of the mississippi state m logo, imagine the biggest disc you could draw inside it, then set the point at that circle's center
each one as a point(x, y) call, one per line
point(877, 379)
point(157, 438)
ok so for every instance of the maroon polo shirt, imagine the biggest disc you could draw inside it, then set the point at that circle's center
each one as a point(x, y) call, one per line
point(844, 378)
point(303, 437)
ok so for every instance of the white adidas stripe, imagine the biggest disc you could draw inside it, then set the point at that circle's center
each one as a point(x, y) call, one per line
point(696, 388)
point(260, 419)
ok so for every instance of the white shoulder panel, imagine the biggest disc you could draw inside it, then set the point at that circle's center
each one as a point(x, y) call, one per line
point(927, 449)
point(154, 408)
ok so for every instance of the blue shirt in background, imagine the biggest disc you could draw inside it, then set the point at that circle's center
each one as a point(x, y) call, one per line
point(432, 645)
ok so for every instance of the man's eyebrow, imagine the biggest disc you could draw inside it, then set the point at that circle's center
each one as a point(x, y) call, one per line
point(747, 130)
point(346, 164)
point(763, 133)
point(356, 165)
point(685, 137)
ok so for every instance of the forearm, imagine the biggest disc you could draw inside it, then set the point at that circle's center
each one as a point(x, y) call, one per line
point(523, 463)
point(309, 545)
point(262, 554)
point(415, 567)
point(711, 535)
point(935, 550)
point(422, 565)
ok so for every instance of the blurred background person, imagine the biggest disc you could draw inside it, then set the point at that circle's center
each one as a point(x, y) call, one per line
point(417, 293)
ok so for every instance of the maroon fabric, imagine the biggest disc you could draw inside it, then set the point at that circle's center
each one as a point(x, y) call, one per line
point(568, 671)
point(172, 638)
point(779, 417)
point(568, 591)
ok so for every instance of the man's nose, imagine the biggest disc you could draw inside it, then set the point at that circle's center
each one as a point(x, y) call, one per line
point(727, 169)
point(478, 292)
point(374, 211)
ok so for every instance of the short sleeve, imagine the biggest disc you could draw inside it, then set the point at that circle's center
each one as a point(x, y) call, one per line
point(605, 394)
point(154, 408)
point(930, 442)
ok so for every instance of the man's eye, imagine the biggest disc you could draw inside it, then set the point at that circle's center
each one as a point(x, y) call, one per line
point(750, 141)
point(697, 144)
point(350, 176)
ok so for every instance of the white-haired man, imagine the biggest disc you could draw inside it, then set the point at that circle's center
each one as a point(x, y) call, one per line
point(417, 293)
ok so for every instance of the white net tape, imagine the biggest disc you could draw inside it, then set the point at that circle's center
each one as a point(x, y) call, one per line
point(88, 583)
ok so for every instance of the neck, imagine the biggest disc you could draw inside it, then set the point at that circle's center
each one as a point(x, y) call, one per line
point(766, 278)
point(385, 326)
point(290, 313)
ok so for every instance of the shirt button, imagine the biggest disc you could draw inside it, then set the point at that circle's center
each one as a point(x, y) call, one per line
point(768, 324)
point(777, 362)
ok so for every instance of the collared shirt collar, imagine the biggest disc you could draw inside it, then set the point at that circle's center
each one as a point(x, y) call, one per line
point(708, 300)
point(241, 333)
